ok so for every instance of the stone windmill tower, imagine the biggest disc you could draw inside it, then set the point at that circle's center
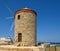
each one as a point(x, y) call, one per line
point(25, 27)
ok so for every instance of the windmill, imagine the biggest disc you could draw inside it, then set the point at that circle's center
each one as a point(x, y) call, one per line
point(10, 17)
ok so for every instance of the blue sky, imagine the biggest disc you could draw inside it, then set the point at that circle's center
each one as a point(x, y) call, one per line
point(48, 18)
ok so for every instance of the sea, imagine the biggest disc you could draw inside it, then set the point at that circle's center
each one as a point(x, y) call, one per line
point(52, 43)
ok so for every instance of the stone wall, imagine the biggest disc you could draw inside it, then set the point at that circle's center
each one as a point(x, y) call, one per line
point(57, 48)
point(26, 25)
point(10, 48)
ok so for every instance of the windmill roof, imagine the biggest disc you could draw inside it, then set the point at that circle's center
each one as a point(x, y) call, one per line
point(26, 10)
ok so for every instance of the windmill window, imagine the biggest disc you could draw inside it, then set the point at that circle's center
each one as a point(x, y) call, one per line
point(19, 37)
point(18, 17)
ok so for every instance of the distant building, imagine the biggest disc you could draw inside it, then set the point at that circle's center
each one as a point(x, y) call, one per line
point(5, 41)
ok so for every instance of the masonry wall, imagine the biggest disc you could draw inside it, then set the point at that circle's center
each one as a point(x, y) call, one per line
point(57, 48)
point(28, 49)
point(26, 25)
point(20, 49)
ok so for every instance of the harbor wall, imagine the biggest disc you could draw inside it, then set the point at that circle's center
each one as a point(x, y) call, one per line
point(7, 48)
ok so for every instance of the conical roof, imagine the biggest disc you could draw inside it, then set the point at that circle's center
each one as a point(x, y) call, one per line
point(26, 10)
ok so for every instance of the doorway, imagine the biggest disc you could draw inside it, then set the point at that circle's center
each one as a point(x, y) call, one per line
point(19, 37)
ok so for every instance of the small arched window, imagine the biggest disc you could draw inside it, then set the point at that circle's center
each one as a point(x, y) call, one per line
point(18, 17)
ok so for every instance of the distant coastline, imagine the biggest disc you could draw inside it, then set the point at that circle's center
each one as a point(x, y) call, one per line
point(52, 43)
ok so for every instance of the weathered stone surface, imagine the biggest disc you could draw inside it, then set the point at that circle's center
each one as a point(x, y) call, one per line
point(27, 26)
